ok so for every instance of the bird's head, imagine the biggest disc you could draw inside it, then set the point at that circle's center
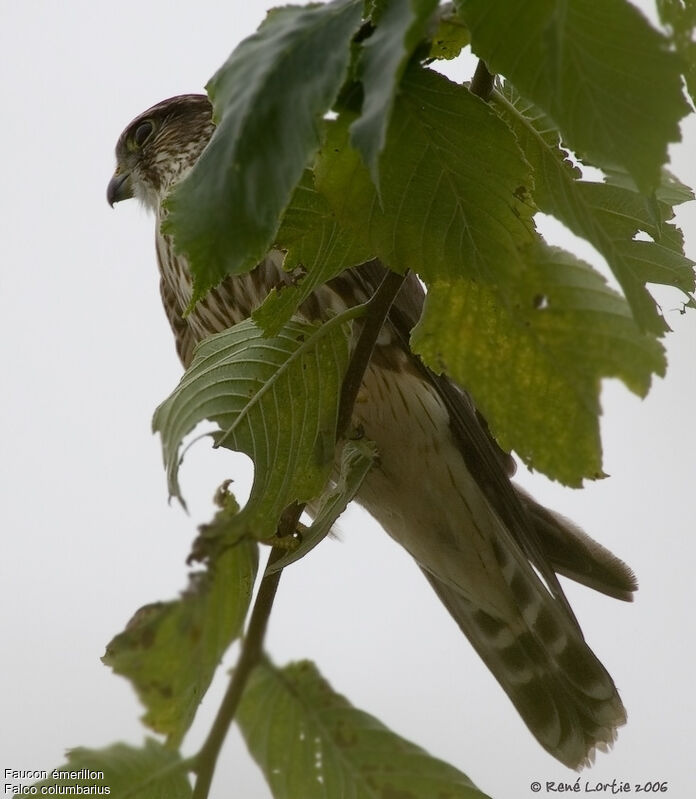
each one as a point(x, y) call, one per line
point(159, 147)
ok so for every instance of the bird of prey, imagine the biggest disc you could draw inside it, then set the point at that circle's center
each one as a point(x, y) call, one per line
point(442, 487)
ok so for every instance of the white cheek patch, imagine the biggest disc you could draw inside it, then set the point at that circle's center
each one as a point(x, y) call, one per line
point(144, 192)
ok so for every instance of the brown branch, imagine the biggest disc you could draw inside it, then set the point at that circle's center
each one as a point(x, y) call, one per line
point(252, 648)
point(482, 82)
point(377, 310)
point(252, 645)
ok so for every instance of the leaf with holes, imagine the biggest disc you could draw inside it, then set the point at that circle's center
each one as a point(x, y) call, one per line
point(311, 742)
point(275, 399)
point(535, 367)
point(450, 37)
point(608, 215)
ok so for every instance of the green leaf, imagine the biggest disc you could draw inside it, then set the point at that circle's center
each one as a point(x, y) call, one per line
point(151, 772)
point(450, 38)
point(357, 459)
point(670, 192)
point(458, 213)
point(600, 71)
point(455, 186)
point(317, 247)
point(535, 367)
point(607, 215)
point(310, 742)
point(268, 98)
point(275, 399)
point(170, 650)
point(680, 15)
point(402, 25)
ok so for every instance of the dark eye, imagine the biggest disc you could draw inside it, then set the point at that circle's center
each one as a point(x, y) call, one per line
point(143, 132)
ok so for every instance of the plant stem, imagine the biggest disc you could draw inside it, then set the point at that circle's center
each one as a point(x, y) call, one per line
point(482, 82)
point(376, 312)
point(252, 649)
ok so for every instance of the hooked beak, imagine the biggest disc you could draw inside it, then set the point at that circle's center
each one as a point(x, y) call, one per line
point(119, 187)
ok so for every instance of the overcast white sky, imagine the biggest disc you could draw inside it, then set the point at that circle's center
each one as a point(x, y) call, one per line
point(88, 536)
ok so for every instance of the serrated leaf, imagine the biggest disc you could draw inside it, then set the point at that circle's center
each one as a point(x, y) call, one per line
point(151, 772)
point(535, 367)
point(357, 458)
point(316, 245)
point(455, 186)
point(600, 71)
point(275, 399)
point(169, 651)
point(680, 15)
point(402, 25)
point(310, 742)
point(670, 192)
point(267, 99)
point(608, 215)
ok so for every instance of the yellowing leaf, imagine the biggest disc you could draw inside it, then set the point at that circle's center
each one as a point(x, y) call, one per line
point(170, 650)
point(535, 367)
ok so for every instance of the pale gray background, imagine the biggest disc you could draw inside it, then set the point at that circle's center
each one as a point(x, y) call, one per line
point(87, 533)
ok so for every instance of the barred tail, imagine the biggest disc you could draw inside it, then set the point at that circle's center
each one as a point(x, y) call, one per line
point(564, 694)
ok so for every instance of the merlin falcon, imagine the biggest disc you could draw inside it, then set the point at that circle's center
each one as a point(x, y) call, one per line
point(442, 487)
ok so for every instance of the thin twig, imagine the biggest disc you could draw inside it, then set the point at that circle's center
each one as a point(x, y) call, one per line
point(377, 310)
point(252, 646)
point(482, 83)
